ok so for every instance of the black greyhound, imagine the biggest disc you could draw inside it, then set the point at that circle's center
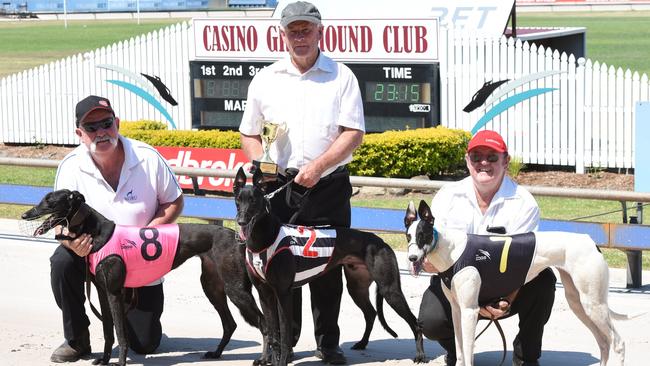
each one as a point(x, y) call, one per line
point(366, 251)
point(222, 266)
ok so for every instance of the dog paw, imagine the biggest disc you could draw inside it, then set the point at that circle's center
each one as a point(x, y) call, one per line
point(420, 359)
point(261, 362)
point(100, 361)
point(212, 355)
point(360, 345)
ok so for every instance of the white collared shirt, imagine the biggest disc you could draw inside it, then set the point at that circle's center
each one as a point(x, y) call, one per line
point(314, 105)
point(513, 207)
point(145, 182)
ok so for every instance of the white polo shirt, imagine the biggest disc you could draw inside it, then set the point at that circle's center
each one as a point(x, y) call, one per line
point(145, 182)
point(314, 105)
point(513, 207)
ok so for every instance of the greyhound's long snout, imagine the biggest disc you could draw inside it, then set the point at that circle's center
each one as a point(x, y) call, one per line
point(29, 214)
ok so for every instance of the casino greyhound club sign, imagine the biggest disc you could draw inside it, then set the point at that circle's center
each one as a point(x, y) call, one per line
point(367, 40)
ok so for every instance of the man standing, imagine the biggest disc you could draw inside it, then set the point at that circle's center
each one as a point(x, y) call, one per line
point(128, 182)
point(488, 201)
point(320, 102)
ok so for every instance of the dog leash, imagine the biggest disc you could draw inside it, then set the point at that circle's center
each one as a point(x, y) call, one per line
point(270, 195)
point(92, 307)
point(503, 337)
point(498, 325)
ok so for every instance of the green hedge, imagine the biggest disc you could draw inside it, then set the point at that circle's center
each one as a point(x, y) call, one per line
point(395, 154)
point(404, 154)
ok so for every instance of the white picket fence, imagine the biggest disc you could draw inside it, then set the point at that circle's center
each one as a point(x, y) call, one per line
point(37, 105)
point(587, 122)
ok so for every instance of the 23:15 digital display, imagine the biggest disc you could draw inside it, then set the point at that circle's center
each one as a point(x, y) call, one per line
point(397, 92)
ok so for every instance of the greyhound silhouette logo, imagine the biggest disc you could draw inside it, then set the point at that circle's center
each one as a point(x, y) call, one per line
point(482, 255)
point(130, 196)
point(505, 87)
point(144, 90)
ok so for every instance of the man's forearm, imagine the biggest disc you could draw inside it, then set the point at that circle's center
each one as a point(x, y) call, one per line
point(343, 146)
point(252, 146)
point(167, 213)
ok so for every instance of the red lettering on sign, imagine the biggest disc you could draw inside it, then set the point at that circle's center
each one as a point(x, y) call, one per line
point(346, 38)
point(274, 39)
point(230, 38)
point(405, 39)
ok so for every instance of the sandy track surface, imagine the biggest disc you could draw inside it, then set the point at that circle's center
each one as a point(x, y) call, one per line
point(30, 323)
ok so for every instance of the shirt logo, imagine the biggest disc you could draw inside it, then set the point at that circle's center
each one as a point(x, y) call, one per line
point(482, 255)
point(130, 196)
point(127, 244)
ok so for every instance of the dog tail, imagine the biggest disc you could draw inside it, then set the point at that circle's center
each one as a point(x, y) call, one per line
point(380, 312)
point(618, 316)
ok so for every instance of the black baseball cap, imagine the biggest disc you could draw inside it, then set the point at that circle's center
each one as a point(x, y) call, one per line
point(92, 103)
point(300, 10)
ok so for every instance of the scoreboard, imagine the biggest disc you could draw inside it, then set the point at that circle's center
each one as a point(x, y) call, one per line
point(396, 96)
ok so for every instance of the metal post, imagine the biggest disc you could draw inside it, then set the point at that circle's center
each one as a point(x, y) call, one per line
point(137, 5)
point(65, 14)
point(634, 262)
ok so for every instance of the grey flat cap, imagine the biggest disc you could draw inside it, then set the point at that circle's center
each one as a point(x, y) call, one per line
point(300, 10)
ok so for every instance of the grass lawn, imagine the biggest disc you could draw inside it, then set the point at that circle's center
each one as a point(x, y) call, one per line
point(26, 44)
point(621, 39)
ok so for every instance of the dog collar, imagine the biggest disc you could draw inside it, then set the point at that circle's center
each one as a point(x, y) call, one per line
point(435, 239)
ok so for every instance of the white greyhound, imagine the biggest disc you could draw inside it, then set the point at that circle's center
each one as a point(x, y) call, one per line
point(583, 271)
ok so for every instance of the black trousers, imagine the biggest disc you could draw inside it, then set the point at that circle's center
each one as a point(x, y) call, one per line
point(328, 203)
point(67, 276)
point(533, 303)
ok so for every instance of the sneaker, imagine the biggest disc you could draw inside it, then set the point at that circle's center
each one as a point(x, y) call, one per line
point(69, 353)
point(332, 356)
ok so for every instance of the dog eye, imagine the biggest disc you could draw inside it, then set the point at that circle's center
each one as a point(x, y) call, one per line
point(408, 237)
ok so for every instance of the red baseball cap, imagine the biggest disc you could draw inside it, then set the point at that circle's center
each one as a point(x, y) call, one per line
point(489, 139)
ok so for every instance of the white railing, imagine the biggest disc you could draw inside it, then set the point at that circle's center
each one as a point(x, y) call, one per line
point(587, 122)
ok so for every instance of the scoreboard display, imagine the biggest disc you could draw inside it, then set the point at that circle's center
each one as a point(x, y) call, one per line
point(395, 96)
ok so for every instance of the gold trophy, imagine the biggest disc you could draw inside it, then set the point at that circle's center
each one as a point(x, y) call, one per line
point(270, 132)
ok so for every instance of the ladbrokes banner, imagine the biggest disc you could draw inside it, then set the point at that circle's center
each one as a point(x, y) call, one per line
point(223, 159)
point(394, 40)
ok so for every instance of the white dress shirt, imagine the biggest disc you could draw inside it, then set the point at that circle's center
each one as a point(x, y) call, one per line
point(314, 105)
point(513, 207)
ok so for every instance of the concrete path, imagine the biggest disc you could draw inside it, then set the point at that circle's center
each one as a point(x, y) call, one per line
point(30, 323)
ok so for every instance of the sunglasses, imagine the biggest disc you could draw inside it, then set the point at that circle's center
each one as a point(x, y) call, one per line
point(95, 126)
point(477, 158)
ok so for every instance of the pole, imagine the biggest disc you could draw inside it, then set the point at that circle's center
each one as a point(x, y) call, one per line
point(137, 5)
point(65, 14)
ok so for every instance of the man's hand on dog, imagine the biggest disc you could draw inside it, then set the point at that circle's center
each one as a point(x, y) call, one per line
point(498, 308)
point(80, 245)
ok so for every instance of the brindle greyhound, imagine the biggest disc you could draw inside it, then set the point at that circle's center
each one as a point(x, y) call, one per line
point(261, 228)
point(222, 264)
point(582, 268)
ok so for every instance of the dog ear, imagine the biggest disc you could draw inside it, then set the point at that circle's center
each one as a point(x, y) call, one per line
point(411, 215)
point(425, 212)
point(75, 196)
point(240, 180)
point(258, 180)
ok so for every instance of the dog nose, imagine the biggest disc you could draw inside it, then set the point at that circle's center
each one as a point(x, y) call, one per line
point(413, 257)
